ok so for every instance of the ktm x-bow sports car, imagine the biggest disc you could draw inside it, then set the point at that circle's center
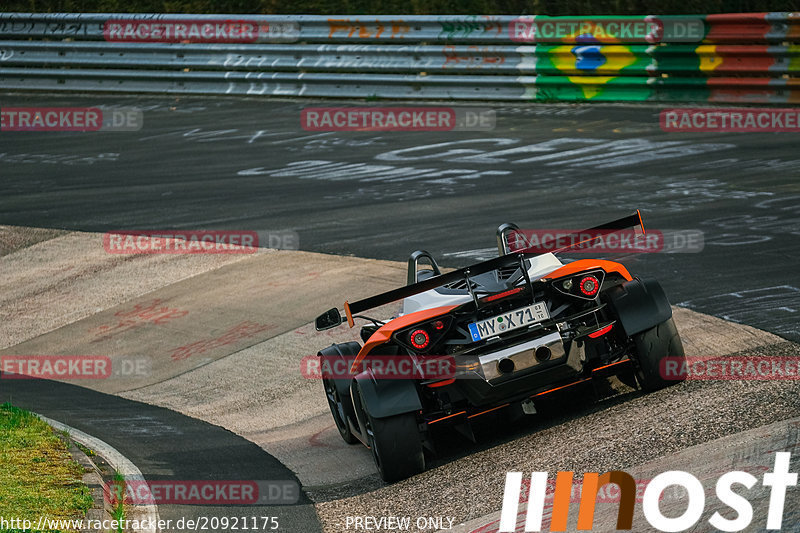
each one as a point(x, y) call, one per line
point(509, 331)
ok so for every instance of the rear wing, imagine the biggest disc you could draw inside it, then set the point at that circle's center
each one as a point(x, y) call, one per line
point(436, 281)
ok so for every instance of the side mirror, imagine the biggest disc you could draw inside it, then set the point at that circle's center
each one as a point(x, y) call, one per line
point(327, 320)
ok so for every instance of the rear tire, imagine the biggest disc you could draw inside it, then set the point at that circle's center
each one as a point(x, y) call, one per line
point(339, 410)
point(337, 391)
point(652, 346)
point(394, 441)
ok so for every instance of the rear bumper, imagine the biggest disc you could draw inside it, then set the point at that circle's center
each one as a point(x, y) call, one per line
point(528, 355)
point(513, 373)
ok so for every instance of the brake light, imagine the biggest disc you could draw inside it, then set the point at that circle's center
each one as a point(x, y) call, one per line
point(420, 339)
point(442, 383)
point(438, 324)
point(499, 295)
point(601, 332)
point(589, 286)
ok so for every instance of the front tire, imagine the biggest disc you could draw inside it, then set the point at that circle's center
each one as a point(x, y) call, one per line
point(394, 441)
point(653, 345)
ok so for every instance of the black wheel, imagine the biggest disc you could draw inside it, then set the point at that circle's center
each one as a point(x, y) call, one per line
point(339, 410)
point(394, 442)
point(652, 346)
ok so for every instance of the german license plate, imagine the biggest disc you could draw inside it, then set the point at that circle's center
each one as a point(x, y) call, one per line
point(518, 318)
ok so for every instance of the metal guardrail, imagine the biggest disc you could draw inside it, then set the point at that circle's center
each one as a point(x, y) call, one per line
point(634, 60)
point(720, 58)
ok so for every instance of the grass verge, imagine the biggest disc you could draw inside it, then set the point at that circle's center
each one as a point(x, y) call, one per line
point(37, 474)
point(118, 512)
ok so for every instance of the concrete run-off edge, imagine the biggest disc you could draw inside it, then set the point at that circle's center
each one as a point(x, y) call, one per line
point(148, 513)
point(92, 478)
point(66, 277)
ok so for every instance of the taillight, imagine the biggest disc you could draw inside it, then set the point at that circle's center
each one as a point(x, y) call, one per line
point(499, 295)
point(589, 286)
point(586, 285)
point(600, 332)
point(425, 335)
point(420, 339)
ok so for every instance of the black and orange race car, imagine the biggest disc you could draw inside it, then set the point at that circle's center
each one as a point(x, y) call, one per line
point(504, 333)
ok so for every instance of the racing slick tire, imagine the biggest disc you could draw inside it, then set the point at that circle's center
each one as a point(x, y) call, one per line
point(338, 393)
point(652, 345)
point(394, 441)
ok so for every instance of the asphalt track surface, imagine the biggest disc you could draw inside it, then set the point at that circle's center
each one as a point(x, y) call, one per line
point(202, 163)
point(166, 445)
point(247, 164)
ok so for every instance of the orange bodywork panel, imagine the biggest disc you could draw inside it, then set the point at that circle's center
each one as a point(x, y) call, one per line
point(589, 264)
point(386, 331)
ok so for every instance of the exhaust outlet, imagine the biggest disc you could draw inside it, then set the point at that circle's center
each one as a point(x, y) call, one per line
point(505, 366)
point(543, 354)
